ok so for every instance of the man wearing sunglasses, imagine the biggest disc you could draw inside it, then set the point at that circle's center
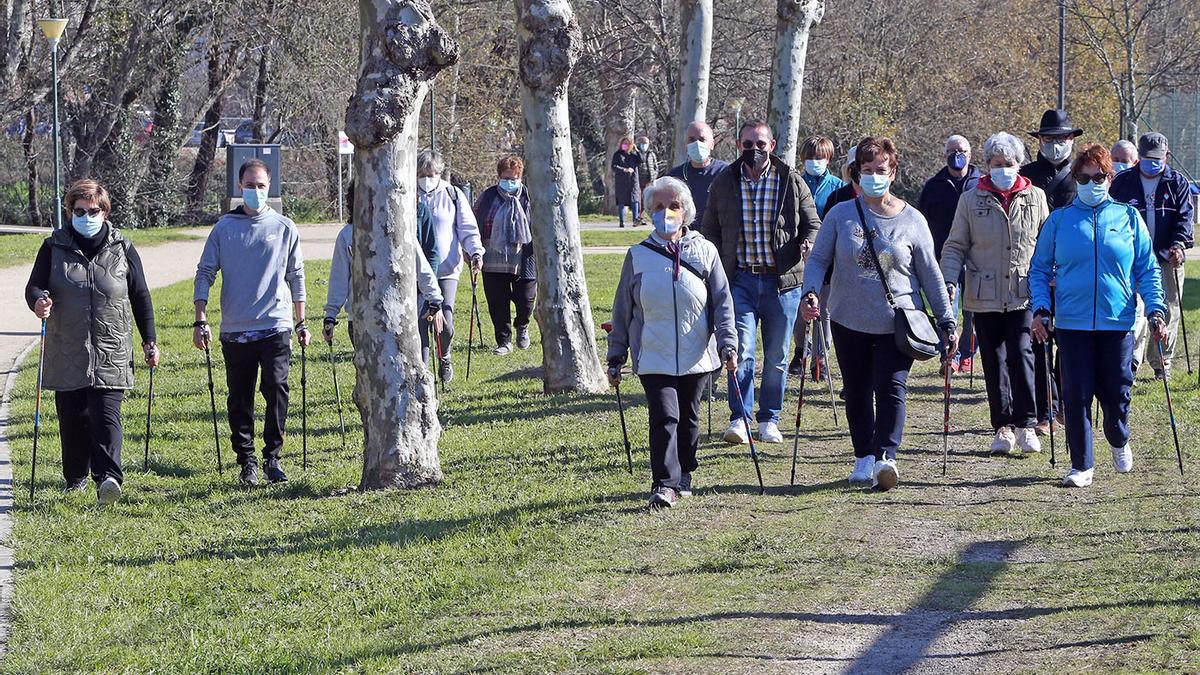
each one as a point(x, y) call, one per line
point(1162, 195)
point(760, 214)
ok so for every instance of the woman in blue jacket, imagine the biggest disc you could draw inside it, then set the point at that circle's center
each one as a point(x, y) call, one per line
point(1099, 256)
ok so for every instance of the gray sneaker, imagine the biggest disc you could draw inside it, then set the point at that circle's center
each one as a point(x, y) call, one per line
point(77, 485)
point(502, 350)
point(663, 497)
point(523, 337)
point(445, 370)
point(108, 491)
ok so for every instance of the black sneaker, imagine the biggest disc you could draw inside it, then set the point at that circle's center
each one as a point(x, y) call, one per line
point(662, 497)
point(685, 485)
point(249, 474)
point(445, 370)
point(275, 472)
point(796, 366)
point(523, 337)
point(77, 485)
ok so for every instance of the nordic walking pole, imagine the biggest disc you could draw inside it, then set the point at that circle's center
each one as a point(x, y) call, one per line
point(337, 392)
point(471, 324)
point(212, 397)
point(37, 408)
point(1049, 392)
point(712, 390)
point(303, 407)
point(1187, 350)
point(800, 403)
point(149, 408)
point(437, 341)
point(1171, 411)
point(737, 392)
point(624, 429)
point(828, 372)
point(946, 418)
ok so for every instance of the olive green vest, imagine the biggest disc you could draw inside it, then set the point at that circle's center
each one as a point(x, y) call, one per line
point(89, 335)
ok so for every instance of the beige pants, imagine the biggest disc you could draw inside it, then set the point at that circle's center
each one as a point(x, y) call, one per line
point(1143, 349)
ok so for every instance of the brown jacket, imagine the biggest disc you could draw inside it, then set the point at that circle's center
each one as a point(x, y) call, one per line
point(797, 220)
point(994, 248)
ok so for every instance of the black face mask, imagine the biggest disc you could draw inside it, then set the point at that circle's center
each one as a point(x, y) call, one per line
point(755, 157)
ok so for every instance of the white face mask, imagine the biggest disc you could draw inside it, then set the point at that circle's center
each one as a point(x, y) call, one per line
point(1056, 151)
point(698, 151)
point(427, 183)
point(816, 167)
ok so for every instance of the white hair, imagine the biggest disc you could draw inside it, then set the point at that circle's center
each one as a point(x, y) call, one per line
point(673, 186)
point(1003, 144)
point(955, 139)
point(430, 162)
point(1125, 145)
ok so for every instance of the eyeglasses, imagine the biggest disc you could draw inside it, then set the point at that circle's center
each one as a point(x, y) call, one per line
point(1084, 179)
point(750, 145)
point(90, 212)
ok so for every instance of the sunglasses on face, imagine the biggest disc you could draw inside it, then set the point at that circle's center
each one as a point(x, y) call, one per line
point(1084, 179)
point(750, 145)
point(89, 212)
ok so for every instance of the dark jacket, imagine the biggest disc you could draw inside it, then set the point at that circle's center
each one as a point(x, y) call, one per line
point(1053, 179)
point(626, 185)
point(846, 193)
point(427, 236)
point(797, 220)
point(939, 201)
point(1172, 207)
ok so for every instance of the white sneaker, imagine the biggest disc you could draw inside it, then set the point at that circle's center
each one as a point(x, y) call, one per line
point(768, 432)
point(864, 470)
point(1079, 479)
point(1027, 440)
point(108, 491)
point(886, 475)
point(1122, 459)
point(736, 434)
point(1003, 443)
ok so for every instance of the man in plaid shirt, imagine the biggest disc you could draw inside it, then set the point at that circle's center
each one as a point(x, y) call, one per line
point(759, 213)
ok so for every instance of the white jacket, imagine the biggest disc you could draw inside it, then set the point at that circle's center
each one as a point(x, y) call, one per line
point(454, 227)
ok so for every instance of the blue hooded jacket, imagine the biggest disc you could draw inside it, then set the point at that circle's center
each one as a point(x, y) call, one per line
point(1099, 258)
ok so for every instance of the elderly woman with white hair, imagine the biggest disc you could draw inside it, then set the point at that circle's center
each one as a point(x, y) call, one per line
point(673, 312)
point(992, 239)
point(456, 232)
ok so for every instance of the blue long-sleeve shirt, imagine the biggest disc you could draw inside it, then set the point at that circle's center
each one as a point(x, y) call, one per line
point(1099, 259)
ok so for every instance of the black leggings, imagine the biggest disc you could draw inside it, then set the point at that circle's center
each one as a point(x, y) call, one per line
point(674, 403)
point(1004, 345)
point(89, 427)
point(502, 292)
point(875, 375)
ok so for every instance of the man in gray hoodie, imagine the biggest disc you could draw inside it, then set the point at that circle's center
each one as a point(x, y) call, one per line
point(258, 254)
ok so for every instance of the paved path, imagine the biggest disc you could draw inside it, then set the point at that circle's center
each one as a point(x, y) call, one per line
point(164, 264)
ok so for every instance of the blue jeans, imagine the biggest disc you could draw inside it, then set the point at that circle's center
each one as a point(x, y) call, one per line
point(1095, 364)
point(757, 300)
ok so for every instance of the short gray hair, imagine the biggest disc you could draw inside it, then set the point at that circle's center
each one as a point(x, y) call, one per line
point(430, 161)
point(673, 186)
point(955, 138)
point(1003, 144)
point(1124, 145)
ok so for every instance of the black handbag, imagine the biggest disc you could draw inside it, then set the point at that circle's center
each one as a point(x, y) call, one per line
point(916, 337)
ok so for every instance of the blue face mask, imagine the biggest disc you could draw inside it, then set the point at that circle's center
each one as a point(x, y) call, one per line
point(1093, 194)
point(816, 167)
point(1003, 177)
point(255, 198)
point(86, 225)
point(698, 152)
point(667, 221)
point(1118, 167)
point(509, 185)
point(1152, 167)
point(957, 161)
point(874, 184)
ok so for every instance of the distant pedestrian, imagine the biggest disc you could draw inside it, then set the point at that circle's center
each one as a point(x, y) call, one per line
point(257, 252)
point(96, 292)
point(674, 313)
point(648, 169)
point(509, 268)
point(626, 180)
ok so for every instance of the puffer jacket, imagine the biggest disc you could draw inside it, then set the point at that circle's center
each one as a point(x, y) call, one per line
point(672, 326)
point(1099, 258)
point(995, 248)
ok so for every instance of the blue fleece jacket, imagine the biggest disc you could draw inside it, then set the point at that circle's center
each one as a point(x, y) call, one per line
point(1098, 258)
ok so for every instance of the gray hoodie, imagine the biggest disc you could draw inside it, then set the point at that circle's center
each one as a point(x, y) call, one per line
point(262, 270)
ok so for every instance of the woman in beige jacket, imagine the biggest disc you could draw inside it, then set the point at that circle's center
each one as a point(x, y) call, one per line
point(993, 236)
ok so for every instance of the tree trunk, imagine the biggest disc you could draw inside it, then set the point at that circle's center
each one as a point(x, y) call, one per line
point(402, 49)
point(695, 48)
point(160, 201)
point(262, 85)
point(548, 43)
point(794, 21)
point(206, 154)
point(31, 168)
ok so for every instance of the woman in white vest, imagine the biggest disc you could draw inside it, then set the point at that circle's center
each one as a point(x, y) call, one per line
point(674, 313)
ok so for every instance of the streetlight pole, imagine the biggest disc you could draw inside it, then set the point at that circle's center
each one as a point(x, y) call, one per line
point(53, 30)
point(1062, 54)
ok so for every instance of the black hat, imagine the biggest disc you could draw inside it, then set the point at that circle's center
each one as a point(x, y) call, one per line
point(1056, 123)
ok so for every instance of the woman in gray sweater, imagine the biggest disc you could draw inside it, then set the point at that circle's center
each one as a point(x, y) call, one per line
point(874, 371)
point(674, 312)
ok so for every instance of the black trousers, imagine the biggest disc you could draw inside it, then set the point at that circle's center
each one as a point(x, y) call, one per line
point(502, 292)
point(875, 378)
point(674, 403)
point(242, 364)
point(1007, 351)
point(89, 428)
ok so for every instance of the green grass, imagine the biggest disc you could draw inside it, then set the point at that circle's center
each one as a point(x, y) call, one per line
point(21, 249)
point(626, 237)
point(537, 554)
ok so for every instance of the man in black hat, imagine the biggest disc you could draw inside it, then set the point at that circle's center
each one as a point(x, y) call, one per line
point(1052, 170)
point(1163, 197)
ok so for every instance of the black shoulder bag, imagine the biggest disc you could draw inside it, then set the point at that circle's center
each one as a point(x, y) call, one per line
point(913, 330)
